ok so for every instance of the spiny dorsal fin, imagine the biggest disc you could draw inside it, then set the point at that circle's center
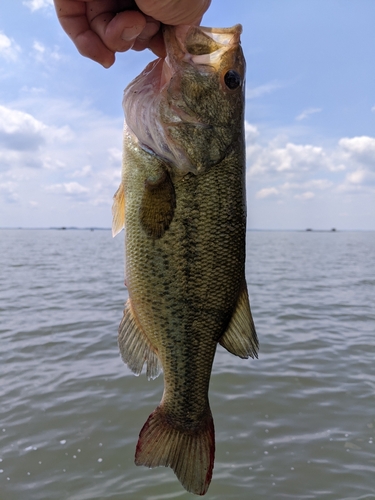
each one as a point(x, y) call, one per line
point(158, 204)
point(189, 453)
point(135, 347)
point(240, 338)
point(118, 210)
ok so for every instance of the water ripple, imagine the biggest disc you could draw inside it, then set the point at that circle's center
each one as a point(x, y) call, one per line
point(298, 423)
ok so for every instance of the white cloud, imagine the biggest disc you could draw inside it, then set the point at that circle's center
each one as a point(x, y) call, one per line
point(358, 181)
point(307, 195)
point(51, 163)
point(293, 159)
point(39, 47)
point(320, 184)
point(301, 157)
point(358, 154)
point(26, 142)
point(85, 171)
point(266, 193)
point(285, 172)
point(115, 155)
point(19, 130)
point(44, 54)
point(251, 132)
point(34, 5)
point(267, 88)
point(360, 149)
point(9, 50)
point(357, 177)
point(307, 112)
point(299, 190)
point(8, 192)
point(351, 164)
point(77, 161)
point(77, 165)
point(68, 188)
point(12, 121)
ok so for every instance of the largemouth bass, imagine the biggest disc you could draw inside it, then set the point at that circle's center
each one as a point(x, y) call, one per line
point(182, 201)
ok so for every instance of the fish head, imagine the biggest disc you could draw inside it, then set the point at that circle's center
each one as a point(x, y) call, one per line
point(188, 108)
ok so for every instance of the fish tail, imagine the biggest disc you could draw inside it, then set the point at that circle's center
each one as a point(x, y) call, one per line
point(189, 453)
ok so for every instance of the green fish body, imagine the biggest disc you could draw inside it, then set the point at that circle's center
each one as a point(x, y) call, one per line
point(182, 201)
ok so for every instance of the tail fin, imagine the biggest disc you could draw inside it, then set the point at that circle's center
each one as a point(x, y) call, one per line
point(189, 453)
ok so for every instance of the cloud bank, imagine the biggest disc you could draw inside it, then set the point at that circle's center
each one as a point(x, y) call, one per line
point(35, 5)
point(78, 165)
point(302, 170)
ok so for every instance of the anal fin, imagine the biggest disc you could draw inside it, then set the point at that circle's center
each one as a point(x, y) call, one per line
point(135, 347)
point(240, 337)
point(118, 210)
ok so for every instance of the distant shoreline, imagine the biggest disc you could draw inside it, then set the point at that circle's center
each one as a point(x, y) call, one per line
point(73, 228)
point(62, 228)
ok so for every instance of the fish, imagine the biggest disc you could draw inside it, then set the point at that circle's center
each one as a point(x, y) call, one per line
point(182, 203)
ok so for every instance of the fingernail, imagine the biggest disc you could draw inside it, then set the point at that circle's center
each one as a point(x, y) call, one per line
point(131, 33)
point(106, 64)
point(107, 61)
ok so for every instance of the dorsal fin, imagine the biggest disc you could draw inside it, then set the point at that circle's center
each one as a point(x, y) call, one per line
point(118, 210)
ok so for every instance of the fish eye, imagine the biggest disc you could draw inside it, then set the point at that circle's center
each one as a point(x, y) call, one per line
point(232, 79)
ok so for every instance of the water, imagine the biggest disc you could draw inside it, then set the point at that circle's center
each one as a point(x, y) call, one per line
point(299, 423)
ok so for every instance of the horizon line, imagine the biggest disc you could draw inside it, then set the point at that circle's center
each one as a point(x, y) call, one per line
point(98, 228)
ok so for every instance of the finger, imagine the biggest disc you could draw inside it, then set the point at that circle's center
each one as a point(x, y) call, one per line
point(175, 12)
point(90, 45)
point(119, 31)
point(157, 45)
point(143, 40)
point(72, 17)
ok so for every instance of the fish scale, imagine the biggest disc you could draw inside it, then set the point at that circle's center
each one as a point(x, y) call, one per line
point(185, 220)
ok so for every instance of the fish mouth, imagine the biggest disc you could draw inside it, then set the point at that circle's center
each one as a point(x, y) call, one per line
point(199, 45)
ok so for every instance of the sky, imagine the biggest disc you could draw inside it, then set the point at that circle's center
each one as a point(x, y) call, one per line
point(310, 116)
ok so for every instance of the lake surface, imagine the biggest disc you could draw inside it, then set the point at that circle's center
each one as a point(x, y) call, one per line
point(298, 423)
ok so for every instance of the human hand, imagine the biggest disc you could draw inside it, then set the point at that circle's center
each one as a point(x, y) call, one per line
point(100, 28)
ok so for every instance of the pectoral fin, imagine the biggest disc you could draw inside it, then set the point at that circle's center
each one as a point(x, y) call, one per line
point(158, 204)
point(118, 210)
point(135, 347)
point(240, 338)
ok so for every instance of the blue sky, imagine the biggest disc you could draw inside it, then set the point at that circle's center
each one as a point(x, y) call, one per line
point(310, 116)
